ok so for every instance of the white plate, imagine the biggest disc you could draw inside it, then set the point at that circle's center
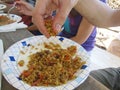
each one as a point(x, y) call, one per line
point(1, 47)
point(2, 6)
point(11, 70)
point(1, 53)
point(14, 17)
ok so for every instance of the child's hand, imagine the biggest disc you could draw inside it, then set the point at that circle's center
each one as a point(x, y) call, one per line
point(24, 7)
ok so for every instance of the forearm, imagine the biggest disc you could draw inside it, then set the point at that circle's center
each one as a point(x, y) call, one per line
point(32, 28)
point(98, 13)
point(84, 31)
point(15, 11)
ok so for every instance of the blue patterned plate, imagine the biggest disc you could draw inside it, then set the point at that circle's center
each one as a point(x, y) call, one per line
point(11, 70)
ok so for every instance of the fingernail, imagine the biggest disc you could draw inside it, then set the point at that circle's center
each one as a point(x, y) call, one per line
point(58, 27)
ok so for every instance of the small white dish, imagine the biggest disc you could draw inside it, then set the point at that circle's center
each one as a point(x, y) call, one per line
point(13, 17)
point(2, 6)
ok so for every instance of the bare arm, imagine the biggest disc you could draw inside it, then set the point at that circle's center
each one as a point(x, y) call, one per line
point(15, 11)
point(32, 28)
point(98, 13)
point(84, 31)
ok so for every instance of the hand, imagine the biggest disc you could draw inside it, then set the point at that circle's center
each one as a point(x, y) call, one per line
point(24, 7)
point(45, 7)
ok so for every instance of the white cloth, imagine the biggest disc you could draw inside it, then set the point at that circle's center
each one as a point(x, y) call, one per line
point(118, 36)
point(12, 27)
point(1, 11)
point(115, 28)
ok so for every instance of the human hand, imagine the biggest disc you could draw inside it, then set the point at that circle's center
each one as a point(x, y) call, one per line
point(24, 7)
point(45, 7)
point(9, 1)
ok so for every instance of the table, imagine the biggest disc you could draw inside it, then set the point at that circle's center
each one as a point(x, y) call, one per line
point(10, 38)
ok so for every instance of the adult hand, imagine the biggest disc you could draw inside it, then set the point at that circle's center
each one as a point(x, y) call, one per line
point(24, 7)
point(45, 7)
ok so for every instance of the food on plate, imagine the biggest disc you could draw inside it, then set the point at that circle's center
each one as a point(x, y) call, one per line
point(4, 20)
point(21, 63)
point(48, 25)
point(52, 66)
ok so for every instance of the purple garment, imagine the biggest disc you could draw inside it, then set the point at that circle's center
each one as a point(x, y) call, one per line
point(71, 28)
point(74, 24)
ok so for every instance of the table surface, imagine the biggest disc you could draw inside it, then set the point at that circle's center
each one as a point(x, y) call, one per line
point(10, 38)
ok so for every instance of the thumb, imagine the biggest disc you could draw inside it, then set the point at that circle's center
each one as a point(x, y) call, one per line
point(59, 19)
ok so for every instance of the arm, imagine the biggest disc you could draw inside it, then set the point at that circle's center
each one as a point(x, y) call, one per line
point(32, 28)
point(24, 7)
point(84, 31)
point(15, 11)
point(98, 13)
